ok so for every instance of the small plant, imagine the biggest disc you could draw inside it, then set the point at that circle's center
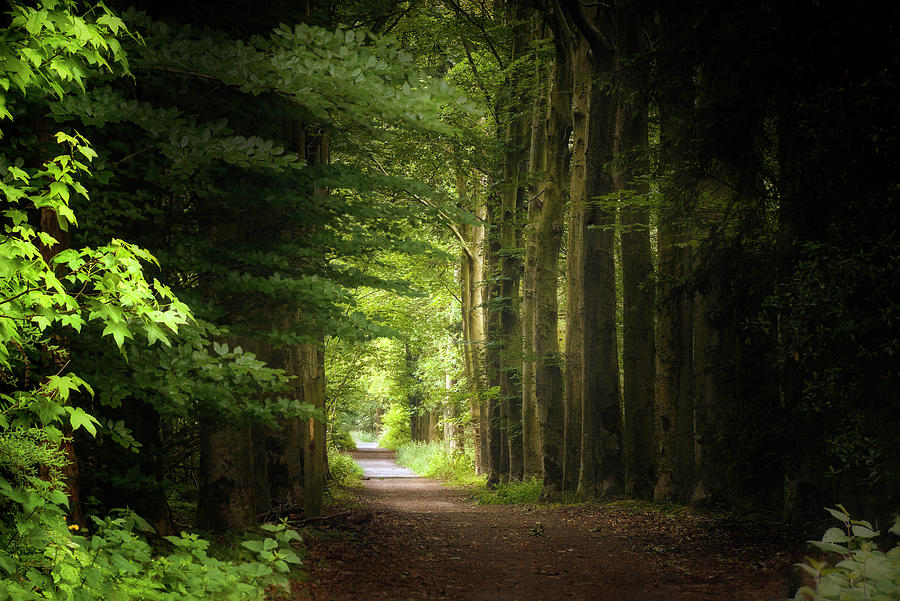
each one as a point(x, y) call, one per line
point(862, 571)
point(511, 493)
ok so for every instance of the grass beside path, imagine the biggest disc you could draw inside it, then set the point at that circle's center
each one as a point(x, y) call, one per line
point(435, 460)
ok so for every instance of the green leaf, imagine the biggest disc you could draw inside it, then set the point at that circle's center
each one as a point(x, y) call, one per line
point(863, 531)
point(839, 515)
point(253, 545)
point(80, 418)
point(119, 331)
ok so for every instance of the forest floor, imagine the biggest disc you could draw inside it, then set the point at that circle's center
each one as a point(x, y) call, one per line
point(408, 538)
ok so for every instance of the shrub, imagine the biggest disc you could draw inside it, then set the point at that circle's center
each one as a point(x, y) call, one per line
point(512, 493)
point(395, 429)
point(436, 460)
point(862, 571)
point(344, 470)
point(341, 440)
point(117, 562)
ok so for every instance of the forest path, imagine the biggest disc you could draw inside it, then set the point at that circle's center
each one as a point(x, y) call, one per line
point(422, 540)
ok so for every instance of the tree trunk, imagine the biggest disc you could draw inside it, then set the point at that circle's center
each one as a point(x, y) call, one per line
point(630, 175)
point(494, 403)
point(511, 204)
point(601, 472)
point(531, 434)
point(548, 237)
point(471, 276)
point(312, 358)
point(227, 498)
point(574, 389)
point(674, 390)
point(674, 406)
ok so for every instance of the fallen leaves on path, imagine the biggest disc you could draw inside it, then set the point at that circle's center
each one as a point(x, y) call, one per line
point(427, 541)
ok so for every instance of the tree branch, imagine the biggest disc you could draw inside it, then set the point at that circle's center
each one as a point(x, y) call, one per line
point(480, 84)
point(447, 221)
point(595, 37)
point(487, 38)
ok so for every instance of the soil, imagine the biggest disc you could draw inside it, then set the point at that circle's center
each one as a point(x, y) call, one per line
point(412, 538)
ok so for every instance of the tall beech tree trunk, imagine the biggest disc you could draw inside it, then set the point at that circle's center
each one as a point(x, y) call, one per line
point(531, 433)
point(550, 203)
point(512, 201)
point(631, 178)
point(674, 406)
point(278, 471)
point(602, 467)
point(674, 390)
point(312, 359)
point(498, 462)
point(471, 276)
point(310, 368)
point(574, 389)
point(713, 343)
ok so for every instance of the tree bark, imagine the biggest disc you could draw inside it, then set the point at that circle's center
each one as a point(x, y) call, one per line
point(227, 498)
point(512, 201)
point(471, 276)
point(674, 390)
point(631, 178)
point(574, 389)
point(548, 236)
point(312, 358)
point(531, 434)
point(601, 472)
point(498, 463)
point(674, 368)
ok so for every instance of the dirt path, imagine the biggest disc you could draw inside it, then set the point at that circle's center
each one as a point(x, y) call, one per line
point(416, 539)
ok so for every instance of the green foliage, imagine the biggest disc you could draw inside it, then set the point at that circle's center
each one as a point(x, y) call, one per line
point(44, 558)
point(511, 493)
point(395, 428)
point(436, 460)
point(862, 570)
point(341, 440)
point(117, 562)
point(47, 48)
point(193, 376)
point(43, 52)
point(344, 470)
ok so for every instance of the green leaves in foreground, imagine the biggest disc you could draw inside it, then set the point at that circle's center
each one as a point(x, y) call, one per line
point(861, 570)
point(117, 563)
